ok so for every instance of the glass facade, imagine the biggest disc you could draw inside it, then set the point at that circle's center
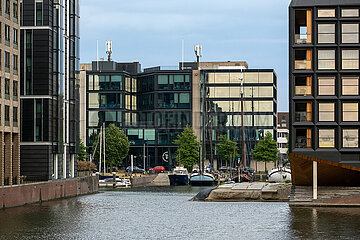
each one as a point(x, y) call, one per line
point(152, 108)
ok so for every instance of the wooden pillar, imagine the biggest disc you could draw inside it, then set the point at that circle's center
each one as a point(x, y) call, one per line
point(16, 158)
point(315, 178)
point(309, 26)
point(8, 158)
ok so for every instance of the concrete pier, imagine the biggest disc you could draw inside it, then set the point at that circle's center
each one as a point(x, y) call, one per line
point(256, 192)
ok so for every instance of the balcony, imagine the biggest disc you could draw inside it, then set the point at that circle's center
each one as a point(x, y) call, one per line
point(302, 142)
point(302, 38)
point(302, 64)
point(303, 116)
point(303, 90)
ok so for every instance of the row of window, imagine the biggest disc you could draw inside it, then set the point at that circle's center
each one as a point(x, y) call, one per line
point(331, 13)
point(327, 85)
point(326, 59)
point(326, 139)
point(7, 89)
point(349, 33)
point(7, 62)
point(7, 116)
point(7, 9)
point(326, 112)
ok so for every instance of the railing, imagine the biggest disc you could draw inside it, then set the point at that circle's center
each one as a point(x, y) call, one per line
point(303, 64)
point(301, 117)
point(302, 38)
point(303, 142)
point(303, 90)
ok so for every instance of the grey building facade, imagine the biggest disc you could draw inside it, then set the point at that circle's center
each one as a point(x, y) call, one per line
point(49, 88)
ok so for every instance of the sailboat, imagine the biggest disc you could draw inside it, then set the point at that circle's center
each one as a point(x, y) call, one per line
point(202, 179)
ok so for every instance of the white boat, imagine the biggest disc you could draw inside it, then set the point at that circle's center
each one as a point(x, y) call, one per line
point(120, 182)
point(279, 175)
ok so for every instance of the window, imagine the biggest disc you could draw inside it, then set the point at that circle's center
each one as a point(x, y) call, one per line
point(350, 138)
point(15, 90)
point(38, 14)
point(15, 64)
point(7, 115)
point(303, 19)
point(7, 61)
point(326, 13)
point(326, 138)
point(326, 112)
point(15, 116)
point(7, 88)
point(350, 59)
point(350, 33)
point(7, 9)
point(326, 59)
point(326, 33)
point(350, 86)
point(303, 138)
point(326, 86)
point(350, 112)
point(15, 37)
point(7, 35)
point(15, 11)
point(349, 12)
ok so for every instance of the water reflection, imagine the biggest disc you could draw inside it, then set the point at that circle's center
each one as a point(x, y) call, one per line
point(325, 223)
point(164, 213)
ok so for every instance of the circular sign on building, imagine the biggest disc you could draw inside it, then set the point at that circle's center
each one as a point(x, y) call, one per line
point(165, 156)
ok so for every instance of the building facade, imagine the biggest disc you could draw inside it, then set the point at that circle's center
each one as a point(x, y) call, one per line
point(49, 88)
point(9, 93)
point(154, 106)
point(282, 135)
point(324, 91)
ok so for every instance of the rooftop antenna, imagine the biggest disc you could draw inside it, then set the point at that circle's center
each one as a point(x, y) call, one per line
point(109, 49)
point(198, 53)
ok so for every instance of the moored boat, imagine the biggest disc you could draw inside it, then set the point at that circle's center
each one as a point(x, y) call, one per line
point(202, 179)
point(179, 176)
point(279, 175)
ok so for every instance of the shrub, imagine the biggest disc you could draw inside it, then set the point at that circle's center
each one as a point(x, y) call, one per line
point(85, 166)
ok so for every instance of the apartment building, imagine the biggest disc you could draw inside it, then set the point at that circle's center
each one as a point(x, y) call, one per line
point(49, 88)
point(324, 91)
point(9, 93)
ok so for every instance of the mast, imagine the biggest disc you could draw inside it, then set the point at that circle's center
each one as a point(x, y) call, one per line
point(103, 138)
point(100, 156)
point(198, 53)
point(242, 165)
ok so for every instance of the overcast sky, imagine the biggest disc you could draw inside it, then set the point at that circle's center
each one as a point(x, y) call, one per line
point(151, 31)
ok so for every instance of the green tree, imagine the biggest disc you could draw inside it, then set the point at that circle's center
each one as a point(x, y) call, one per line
point(188, 148)
point(266, 150)
point(227, 148)
point(82, 155)
point(116, 146)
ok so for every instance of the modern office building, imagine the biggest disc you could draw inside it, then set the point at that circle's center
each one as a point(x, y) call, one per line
point(49, 88)
point(9, 93)
point(282, 135)
point(324, 91)
point(155, 105)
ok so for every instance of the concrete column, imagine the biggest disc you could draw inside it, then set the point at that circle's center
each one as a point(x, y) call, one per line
point(8, 158)
point(16, 158)
point(2, 159)
point(315, 178)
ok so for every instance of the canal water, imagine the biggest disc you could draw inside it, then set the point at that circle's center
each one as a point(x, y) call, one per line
point(167, 213)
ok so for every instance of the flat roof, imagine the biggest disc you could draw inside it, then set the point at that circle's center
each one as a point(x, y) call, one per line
point(305, 3)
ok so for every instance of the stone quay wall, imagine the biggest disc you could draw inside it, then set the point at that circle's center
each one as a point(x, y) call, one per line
point(18, 195)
